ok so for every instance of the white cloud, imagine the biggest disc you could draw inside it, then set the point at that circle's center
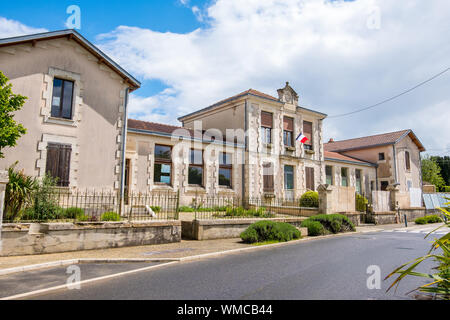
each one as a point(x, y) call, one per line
point(11, 28)
point(337, 55)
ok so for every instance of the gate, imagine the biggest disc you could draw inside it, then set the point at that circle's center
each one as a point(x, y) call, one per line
point(380, 201)
point(415, 197)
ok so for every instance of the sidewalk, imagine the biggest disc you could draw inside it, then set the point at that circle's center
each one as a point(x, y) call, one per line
point(185, 248)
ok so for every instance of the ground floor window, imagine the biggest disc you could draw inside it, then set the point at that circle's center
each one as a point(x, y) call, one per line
point(384, 185)
point(309, 176)
point(288, 177)
point(195, 175)
point(225, 169)
point(344, 177)
point(58, 162)
point(358, 181)
point(329, 175)
point(268, 177)
point(163, 164)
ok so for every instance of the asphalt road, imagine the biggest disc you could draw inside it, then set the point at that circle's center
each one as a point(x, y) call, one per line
point(333, 268)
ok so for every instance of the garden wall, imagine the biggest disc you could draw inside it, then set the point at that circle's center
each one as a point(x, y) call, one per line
point(19, 239)
point(390, 217)
point(227, 228)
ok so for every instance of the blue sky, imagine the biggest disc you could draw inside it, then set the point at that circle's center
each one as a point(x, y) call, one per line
point(338, 55)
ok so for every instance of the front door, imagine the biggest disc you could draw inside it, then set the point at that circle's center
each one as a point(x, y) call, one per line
point(289, 182)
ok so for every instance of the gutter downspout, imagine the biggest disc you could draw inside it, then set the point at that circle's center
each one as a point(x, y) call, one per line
point(245, 148)
point(124, 141)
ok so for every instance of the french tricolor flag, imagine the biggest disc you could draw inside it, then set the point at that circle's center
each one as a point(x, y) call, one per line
point(302, 138)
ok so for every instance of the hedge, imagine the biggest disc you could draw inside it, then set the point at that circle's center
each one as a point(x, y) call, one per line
point(315, 228)
point(428, 219)
point(310, 199)
point(270, 231)
point(330, 223)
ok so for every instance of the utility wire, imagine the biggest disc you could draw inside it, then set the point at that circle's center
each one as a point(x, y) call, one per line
point(392, 98)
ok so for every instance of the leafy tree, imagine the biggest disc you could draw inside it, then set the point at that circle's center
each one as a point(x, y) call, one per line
point(10, 130)
point(431, 172)
point(444, 163)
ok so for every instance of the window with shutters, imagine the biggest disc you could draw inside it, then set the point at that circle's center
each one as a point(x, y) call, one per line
point(58, 162)
point(407, 161)
point(268, 177)
point(308, 133)
point(288, 133)
point(266, 127)
point(62, 99)
point(309, 176)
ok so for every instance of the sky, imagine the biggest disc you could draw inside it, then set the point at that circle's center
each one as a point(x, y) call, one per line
point(339, 56)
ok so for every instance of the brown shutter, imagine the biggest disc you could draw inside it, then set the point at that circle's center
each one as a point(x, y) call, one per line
point(266, 119)
point(268, 177)
point(64, 165)
point(309, 178)
point(52, 163)
point(307, 131)
point(288, 124)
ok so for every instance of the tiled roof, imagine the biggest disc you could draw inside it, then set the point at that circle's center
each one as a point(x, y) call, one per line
point(154, 127)
point(366, 142)
point(340, 157)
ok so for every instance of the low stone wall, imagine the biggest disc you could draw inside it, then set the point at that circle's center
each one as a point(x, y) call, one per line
point(228, 228)
point(19, 239)
point(354, 217)
point(390, 217)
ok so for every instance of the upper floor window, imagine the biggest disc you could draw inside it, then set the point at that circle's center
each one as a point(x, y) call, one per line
point(407, 160)
point(62, 98)
point(308, 132)
point(163, 164)
point(225, 169)
point(195, 175)
point(329, 175)
point(288, 131)
point(58, 162)
point(344, 177)
point(266, 127)
point(381, 156)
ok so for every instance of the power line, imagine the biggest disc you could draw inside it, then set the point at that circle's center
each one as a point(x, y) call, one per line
point(392, 98)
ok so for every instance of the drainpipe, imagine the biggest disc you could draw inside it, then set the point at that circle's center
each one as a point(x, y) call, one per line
point(245, 149)
point(124, 141)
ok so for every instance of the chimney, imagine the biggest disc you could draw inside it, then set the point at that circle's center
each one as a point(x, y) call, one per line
point(331, 140)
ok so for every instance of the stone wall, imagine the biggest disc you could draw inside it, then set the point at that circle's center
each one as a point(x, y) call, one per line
point(64, 237)
point(392, 217)
point(227, 228)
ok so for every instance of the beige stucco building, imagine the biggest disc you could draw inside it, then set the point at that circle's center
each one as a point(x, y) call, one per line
point(75, 111)
point(389, 159)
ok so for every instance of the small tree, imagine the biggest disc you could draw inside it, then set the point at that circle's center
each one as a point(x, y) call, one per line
point(10, 130)
point(431, 172)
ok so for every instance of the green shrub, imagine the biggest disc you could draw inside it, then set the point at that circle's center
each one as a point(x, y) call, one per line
point(261, 212)
point(73, 212)
point(270, 231)
point(334, 223)
point(361, 203)
point(446, 189)
point(186, 209)
point(428, 219)
point(156, 209)
point(315, 228)
point(310, 199)
point(110, 216)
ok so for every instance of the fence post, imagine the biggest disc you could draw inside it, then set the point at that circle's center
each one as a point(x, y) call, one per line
point(3, 182)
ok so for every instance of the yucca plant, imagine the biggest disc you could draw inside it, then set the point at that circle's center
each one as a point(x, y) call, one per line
point(19, 192)
point(439, 285)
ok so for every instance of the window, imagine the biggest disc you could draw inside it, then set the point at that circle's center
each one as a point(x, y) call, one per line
point(288, 177)
point(308, 132)
point(381, 156)
point(288, 133)
point(62, 98)
point(268, 177)
point(358, 181)
point(225, 169)
point(58, 162)
point(329, 175)
point(344, 177)
point(384, 185)
point(372, 185)
point(163, 164)
point(266, 127)
point(195, 175)
point(310, 178)
point(407, 161)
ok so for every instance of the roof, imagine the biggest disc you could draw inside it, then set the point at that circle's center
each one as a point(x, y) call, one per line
point(74, 35)
point(334, 156)
point(250, 92)
point(153, 128)
point(372, 141)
